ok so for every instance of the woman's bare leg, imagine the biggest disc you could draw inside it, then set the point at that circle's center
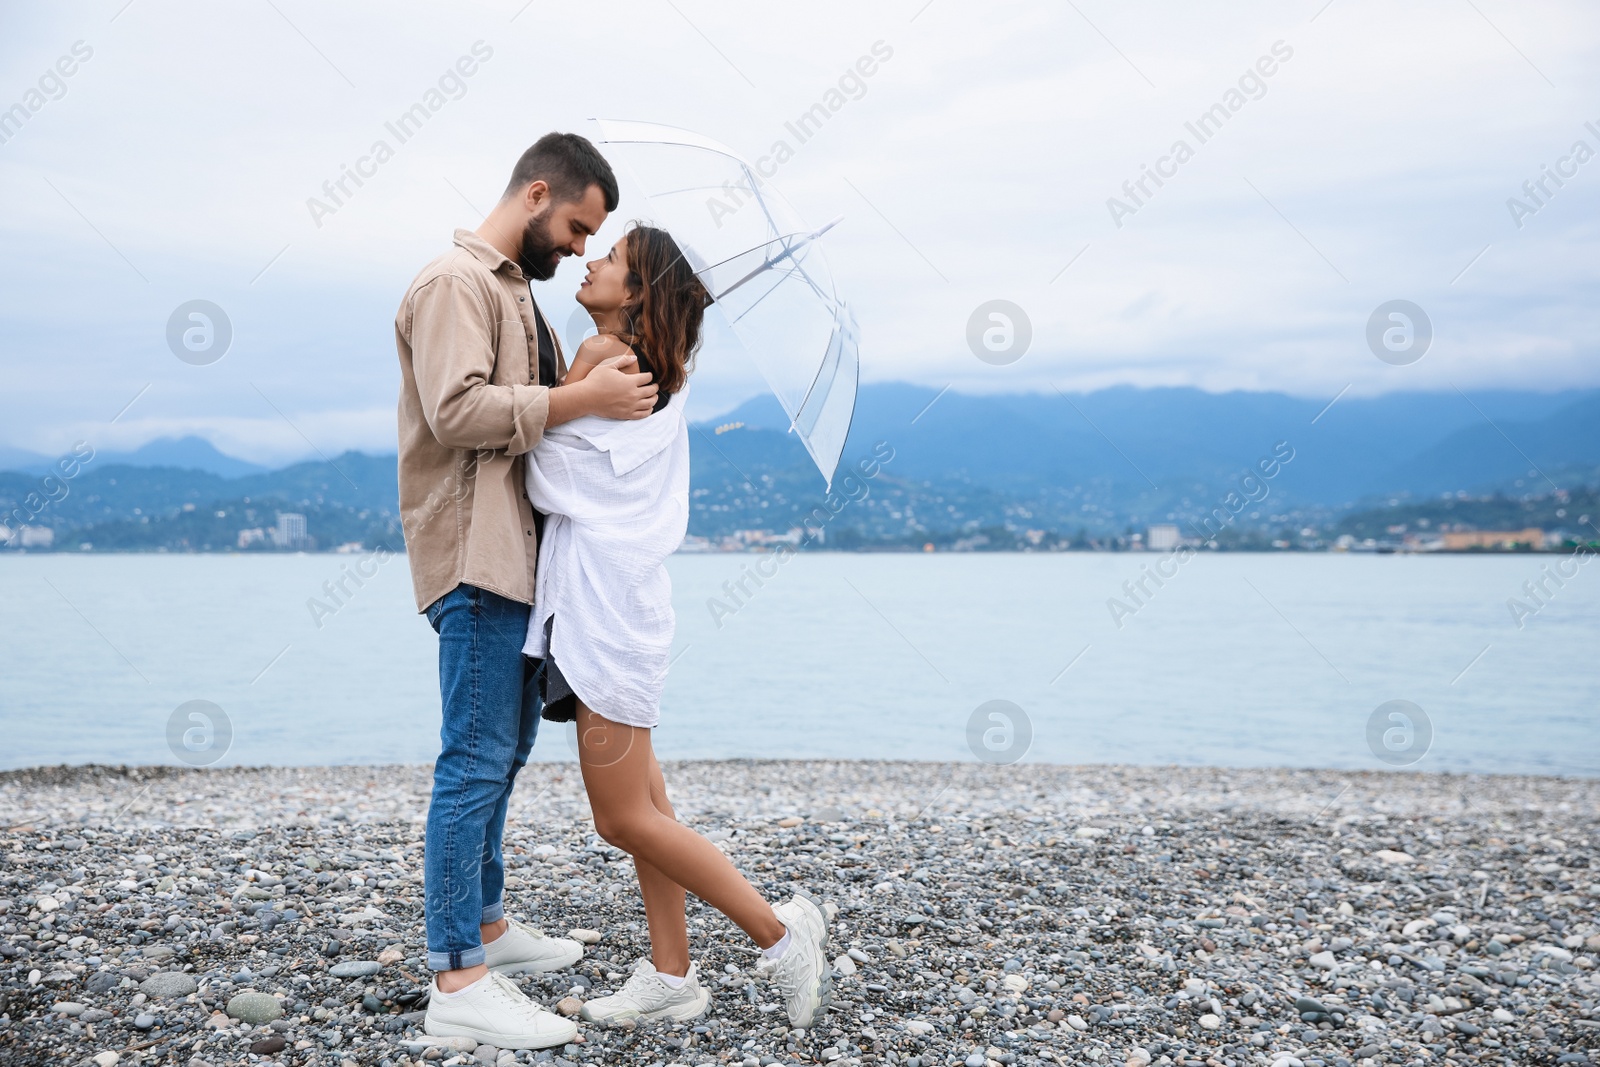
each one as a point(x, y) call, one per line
point(663, 898)
point(617, 763)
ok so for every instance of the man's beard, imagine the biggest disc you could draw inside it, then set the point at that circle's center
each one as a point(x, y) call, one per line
point(539, 256)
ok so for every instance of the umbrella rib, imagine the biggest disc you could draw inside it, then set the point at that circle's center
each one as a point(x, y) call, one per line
point(772, 262)
point(812, 284)
point(752, 307)
point(687, 189)
point(827, 301)
point(830, 362)
point(829, 392)
point(826, 298)
point(752, 248)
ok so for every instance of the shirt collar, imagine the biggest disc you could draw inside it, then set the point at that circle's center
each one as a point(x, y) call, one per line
point(486, 253)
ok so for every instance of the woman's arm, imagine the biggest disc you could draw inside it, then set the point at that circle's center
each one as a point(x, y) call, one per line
point(592, 353)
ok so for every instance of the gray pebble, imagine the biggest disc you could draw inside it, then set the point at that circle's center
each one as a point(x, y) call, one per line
point(987, 905)
point(355, 969)
point(253, 1007)
point(103, 982)
point(169, 984)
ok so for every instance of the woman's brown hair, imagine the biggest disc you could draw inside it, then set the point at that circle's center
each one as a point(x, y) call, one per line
point(669, 304)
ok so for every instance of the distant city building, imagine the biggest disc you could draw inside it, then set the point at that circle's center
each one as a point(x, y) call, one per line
point(5, 535)
point(1464, 539)
point(251, 537)
point(756, 538)
point(1161, 538)
point(290, 531)
point(36, 537)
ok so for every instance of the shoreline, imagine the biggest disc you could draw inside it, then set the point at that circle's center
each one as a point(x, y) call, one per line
point(1032, 914)
point(888, 550)
point(862, 784)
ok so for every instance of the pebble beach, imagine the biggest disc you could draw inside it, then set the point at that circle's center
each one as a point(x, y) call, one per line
point(980, 915)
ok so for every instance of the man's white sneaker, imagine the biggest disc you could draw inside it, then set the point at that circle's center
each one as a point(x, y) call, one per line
point(525, 950)
point(802, 974)
point(645, 997)
point(493, 1011)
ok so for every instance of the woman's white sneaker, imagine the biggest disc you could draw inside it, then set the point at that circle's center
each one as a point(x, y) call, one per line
point(525, 950)
point(493, 1011)
point(646, 998)
point(802, 974)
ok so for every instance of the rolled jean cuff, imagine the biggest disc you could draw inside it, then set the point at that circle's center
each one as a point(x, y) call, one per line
point(455, 961)
point(493, 913)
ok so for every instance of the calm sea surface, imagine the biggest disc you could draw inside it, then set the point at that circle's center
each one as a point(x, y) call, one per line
point(1237, 660)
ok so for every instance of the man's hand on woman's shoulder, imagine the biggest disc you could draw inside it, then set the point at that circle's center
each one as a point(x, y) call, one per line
point(604, 380)
point(620, 392)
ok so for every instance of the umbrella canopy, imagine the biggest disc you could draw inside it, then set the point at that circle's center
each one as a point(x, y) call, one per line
point(764, 268)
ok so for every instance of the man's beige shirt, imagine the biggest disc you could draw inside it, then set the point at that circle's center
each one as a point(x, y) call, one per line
point(470, 406)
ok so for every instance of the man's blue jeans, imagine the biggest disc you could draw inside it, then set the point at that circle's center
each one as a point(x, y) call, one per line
point(491, 716)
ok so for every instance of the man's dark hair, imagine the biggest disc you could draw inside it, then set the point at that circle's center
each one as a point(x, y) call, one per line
point(568, 164)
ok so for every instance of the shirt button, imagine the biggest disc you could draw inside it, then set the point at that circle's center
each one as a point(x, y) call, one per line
point(528, 532)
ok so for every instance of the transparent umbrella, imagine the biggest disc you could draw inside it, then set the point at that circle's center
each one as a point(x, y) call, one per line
point(764, 268)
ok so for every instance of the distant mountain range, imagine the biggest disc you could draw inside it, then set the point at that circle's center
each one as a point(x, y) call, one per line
point(1186, 441)
point(1100, 462)
point(183, 453)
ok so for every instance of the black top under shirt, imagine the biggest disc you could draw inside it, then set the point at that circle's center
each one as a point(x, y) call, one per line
point(547, 358)
point(546, 377)
point(662, 396)
point(547, 347)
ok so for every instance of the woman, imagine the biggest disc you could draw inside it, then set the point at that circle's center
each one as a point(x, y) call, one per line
point(616, 500)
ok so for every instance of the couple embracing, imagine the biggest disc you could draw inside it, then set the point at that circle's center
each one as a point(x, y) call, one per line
point(540, 501)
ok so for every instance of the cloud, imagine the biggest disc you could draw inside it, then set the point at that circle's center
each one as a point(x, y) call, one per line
point(1376, 165)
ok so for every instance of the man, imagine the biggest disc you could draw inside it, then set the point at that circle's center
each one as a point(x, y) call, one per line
point(477, 366)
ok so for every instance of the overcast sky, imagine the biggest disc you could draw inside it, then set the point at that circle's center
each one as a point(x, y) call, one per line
point(975, 163)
